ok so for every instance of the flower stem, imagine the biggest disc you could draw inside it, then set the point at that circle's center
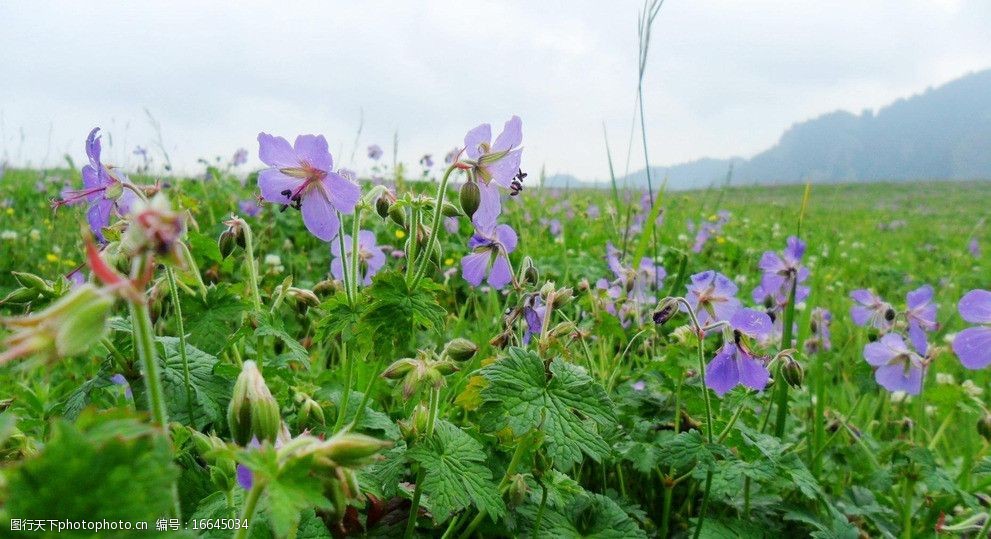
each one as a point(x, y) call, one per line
point(781, 395)
point(249, 509)
point(355, 229)
point(249, 251)
point(174, 294)
point(414, 509)
point(346, 392)
point(435, 228)
point(345, 272)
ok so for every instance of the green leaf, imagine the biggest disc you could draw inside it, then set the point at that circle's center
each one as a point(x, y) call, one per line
point(589, 515)
point(210, 392)
point(212, 322)
point(339, 317)
point(567, 405)
point(396, 312)
point(455, 474)
point(296, 350)
point(108, 466)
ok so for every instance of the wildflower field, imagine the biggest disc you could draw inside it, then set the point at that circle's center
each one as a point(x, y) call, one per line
point(501, 358)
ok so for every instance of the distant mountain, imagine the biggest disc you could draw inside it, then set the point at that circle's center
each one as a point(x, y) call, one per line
point(943, 133)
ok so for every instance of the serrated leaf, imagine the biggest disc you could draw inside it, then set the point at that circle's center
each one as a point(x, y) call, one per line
point(587, 516)
point(340, 318)
point(210, 392)
point(455, 476)
point(568, 406)
point(296, 350)
point(212, 322)
point(396, 312)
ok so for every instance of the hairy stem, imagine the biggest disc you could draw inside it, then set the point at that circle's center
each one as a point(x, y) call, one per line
point(435, 227)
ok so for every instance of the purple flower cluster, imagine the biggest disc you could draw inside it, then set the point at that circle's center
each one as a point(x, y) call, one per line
point(707, 229)
point(631, 291)
point(898, 367)
point(735, 364)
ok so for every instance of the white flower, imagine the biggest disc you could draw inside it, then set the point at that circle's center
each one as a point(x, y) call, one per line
point(273, 260)
point(35, 235)
point(8, 235)
point(944, 378)
point(971, 388)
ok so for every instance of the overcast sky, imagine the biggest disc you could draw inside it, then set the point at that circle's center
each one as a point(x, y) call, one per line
point(725, 77)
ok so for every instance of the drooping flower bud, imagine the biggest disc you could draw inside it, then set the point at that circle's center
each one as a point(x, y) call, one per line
point(528, 272)
point(450, 210)
point(253, 411)
point(517, 490)
point(349, 448)
point(461, 349)
point(984, 427)
point(32, 281)
point(470, 197)
point(68, 327)
point(20, 296)
point(399, 368)
point(227, 242)
point(154, 228)
point(398, 215)
point(792, 372)
point(666, 309)
point(310, 413)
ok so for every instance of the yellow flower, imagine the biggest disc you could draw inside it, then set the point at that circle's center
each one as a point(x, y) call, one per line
point(720, 240)
point(449, 262)
point(10, 211)
point(400, 234)
point(51, 258)
point(713, 217)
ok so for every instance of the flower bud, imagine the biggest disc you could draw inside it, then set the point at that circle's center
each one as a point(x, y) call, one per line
point(528, 272)
point(310, 414)
point(20, 296)
point(253, 410)
point(470, 198)
point(450, 210)
point(984, 427)
point(563, 329)
point(349, 448)
point(32, 281)
point(446, 367)
point(416, 424)
point(304, 296)
point(70, 326)
point(382, 206)
point(399, 368)
point(460, 349)
point(792, 372)
point(227, 242)
point(154, 228)
point(517, 490)
point(562, 297)
point(221, 478)
point(666, 309)
point(398, 215)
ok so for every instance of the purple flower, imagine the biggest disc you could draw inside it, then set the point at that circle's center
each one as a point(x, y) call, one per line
point(533, 314)
point(592, 211)
point(781, 271)
point(245, 477)
point(921, 316)
point(553, 226)
point(249, 207)
point(819, 338)
point(898, 368)
point(427, 161)
point(374, 152)
point(490, 244)
point(118, 379)
point(452, 156)
point(452, 225)
point(871, 310)
point(493, 164)
point(102, 188)
point(712, 297)
point(735, 364)
point(371, 258)
point(974, 248)
point(973, 345)
point(240, 157)
point(302, 176)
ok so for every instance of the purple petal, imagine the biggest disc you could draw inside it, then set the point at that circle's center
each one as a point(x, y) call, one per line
point(501, 273)
point(273, 183)
point(898, 377)
point(724, 286)
point(93, 148)
point(98, 216)
point(244, 477)
point(919, 297)
point(864, 297)
point(724, 309)
point(507, 237)
point(795, 249)
point(753, 373)
point(756, 324)
point(366, 239)
point(511, 136)
point(375, 262)
point(276, 151)
point(343, 194)
point(319, 216)
point(474, 266)
point(975, 307)
point(489, 207)
point(475, 138)
point(722, 373)
point(91, 178)
point(770, 262)
point(881, 352)
point(918, 337)
point(313, 150)
point(860, 315)
point(337, 267)
point(504, 170)
point(973, 347)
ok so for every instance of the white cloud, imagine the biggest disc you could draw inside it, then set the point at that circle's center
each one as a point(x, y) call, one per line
point(725, 78)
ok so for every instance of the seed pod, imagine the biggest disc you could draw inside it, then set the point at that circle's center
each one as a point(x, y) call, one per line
point(253, 410)
point(399, 368)
point(460, 349)
point(30, 280)
point(382, 207)
point(470, 197)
